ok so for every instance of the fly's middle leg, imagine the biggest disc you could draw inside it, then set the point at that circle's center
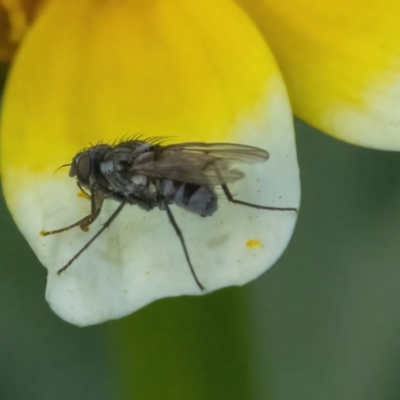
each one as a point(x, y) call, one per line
point(182, 240)
point(101, 230)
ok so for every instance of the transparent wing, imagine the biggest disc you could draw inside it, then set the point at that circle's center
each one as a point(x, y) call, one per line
point(201, 163)
point(230, 151)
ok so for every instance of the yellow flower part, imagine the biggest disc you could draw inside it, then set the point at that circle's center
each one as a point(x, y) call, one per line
point(15, 18)
point(96, 71)
point(341, 63)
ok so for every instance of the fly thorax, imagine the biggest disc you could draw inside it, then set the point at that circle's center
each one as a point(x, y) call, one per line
point(138, 184)
point(152, 191)
point(168, 188)
point(144, 158)
point(152, 188)
point(139, 180)
point(139, 147)
point(107, 167)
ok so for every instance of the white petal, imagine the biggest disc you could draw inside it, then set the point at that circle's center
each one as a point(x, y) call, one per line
point(139, 259)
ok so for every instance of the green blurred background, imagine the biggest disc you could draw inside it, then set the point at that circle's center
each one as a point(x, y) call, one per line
point(322, 324)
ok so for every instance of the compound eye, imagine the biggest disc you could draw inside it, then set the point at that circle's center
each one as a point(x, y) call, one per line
point(72, 170)
point(81, 167)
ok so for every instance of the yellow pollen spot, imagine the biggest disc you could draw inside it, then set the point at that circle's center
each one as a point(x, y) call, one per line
point(83, 195)
point(254, 244)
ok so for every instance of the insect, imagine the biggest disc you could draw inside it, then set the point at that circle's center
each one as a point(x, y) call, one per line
point(150, 175)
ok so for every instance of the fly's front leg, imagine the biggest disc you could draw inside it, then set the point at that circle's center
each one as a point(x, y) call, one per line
point(97, 199)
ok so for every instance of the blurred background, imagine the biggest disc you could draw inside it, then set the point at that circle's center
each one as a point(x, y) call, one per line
point(322, 324)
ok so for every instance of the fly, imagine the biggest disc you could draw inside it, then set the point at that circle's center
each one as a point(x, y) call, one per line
point(150, 175)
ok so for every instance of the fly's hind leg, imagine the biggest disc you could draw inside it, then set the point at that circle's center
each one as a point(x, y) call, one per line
point(230, 198)
point(180, 235)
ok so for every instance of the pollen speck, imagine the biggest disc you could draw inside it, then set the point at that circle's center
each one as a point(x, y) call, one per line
point(83, 195)
point(254, 244)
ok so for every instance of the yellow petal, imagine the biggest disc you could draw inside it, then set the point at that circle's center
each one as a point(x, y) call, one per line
point(6, 47)
point(340, 61)
point(95, 71)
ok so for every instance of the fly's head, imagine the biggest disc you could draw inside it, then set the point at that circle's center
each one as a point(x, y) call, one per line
point(81, 167)
point(85, 165)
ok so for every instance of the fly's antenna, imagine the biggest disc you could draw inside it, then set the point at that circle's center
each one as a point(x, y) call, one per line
point(61, 166)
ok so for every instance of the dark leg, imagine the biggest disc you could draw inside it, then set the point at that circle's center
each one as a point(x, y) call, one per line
point(83, 223)
point(103, 228)
point(179, 233)
point(230, 198)
point(97, 199)
point(83, 190)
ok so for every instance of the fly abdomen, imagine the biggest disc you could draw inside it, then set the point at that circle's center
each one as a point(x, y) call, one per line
point(201, 200)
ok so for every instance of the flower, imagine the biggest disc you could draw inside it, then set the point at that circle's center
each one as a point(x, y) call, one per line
point(90, 71)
